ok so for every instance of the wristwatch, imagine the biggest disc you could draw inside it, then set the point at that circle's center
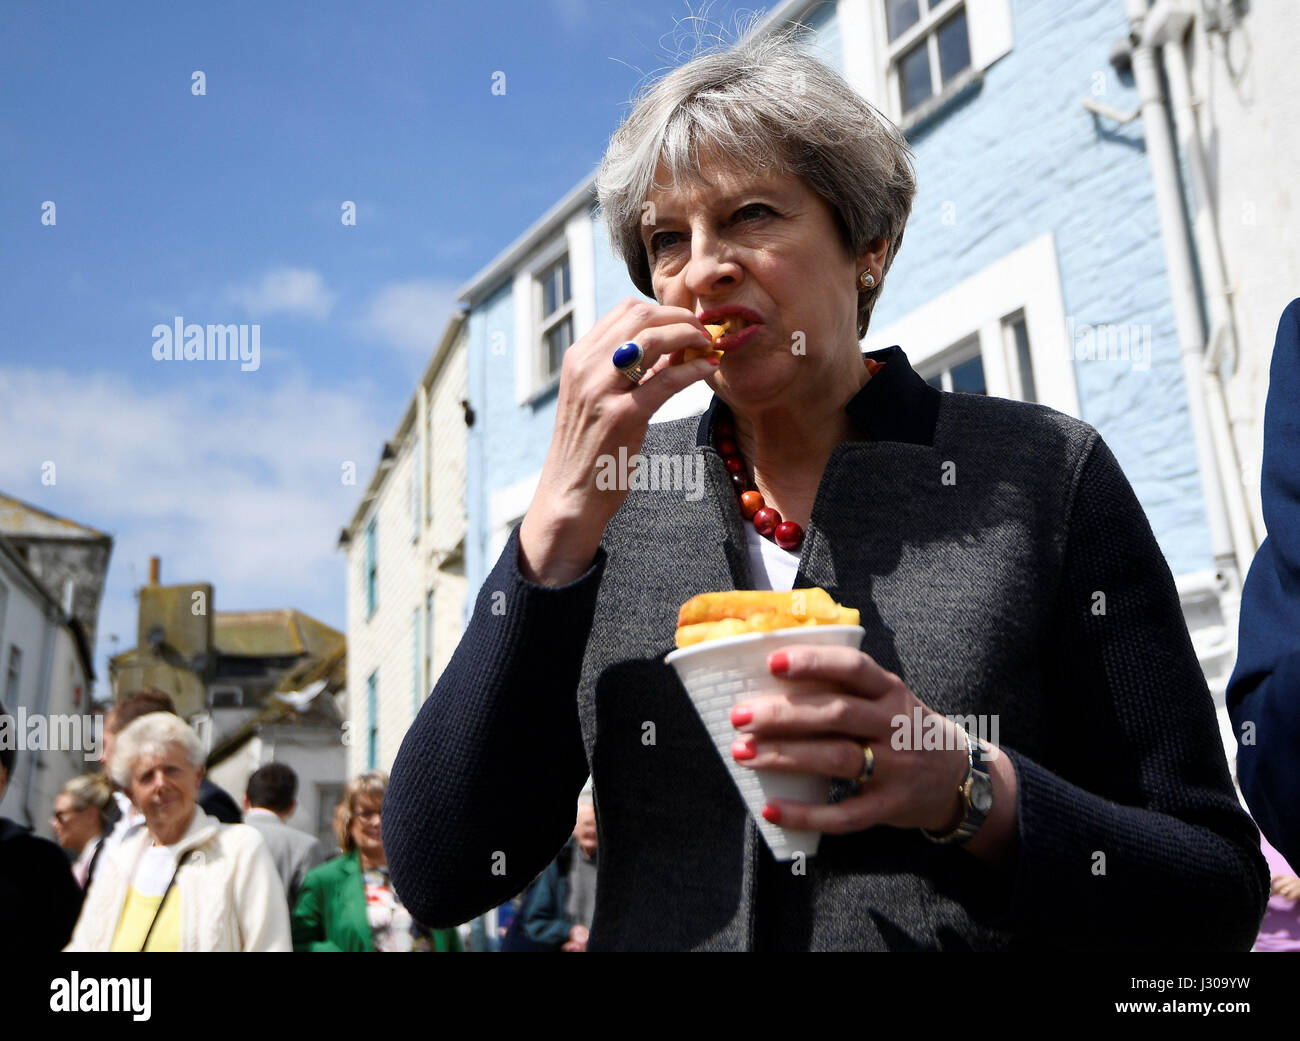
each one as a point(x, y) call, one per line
point(976, 797)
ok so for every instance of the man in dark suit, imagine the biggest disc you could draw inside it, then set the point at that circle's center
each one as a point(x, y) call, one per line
point(39, 898)
point(268, 805)
point(1264, 691)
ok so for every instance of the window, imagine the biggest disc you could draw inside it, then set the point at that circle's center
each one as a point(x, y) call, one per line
point(14, 676)
point(415, 659)
point(372, 570)
point(907, 57)
point(428, 641)
point(1001, 331)
point(372, 720)
point(556, 315)
point(225, 696)
point(929, 45)
point(1020, 364)
point(960, 370)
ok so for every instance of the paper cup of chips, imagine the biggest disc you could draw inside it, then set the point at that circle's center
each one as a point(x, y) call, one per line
point(719, 671)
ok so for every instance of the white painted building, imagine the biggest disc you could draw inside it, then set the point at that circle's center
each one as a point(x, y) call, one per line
point(405, 562)
point(45, 674)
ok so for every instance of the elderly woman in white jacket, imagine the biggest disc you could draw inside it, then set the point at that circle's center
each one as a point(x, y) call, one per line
point(185, 881)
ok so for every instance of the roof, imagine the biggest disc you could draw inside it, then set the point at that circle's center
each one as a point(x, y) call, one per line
point(281, 633)
point(22, 519)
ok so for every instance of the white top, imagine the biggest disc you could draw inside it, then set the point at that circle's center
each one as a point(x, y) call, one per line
point(772, 567)
point(154, 871)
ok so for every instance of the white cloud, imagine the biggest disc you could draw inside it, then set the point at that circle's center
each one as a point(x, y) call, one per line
point(234, 482)
point(286, 290)
point(411, 316)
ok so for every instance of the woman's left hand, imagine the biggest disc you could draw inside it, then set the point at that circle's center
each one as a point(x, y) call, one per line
point(829, 701)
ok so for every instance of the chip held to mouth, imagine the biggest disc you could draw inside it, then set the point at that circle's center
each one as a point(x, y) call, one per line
point(717, 331)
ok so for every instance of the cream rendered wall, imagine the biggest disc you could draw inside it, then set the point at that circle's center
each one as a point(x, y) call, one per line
point(447, 482)
point(1248, 80)
point(383, 641)
point(408, 569)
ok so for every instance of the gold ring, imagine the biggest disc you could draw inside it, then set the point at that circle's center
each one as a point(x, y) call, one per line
point(868, 764)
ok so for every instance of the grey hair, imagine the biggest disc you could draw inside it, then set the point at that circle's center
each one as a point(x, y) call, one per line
point(153, 734)
point(773, 107)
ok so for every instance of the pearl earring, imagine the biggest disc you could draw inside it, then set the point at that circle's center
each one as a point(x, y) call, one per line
point(866, 280)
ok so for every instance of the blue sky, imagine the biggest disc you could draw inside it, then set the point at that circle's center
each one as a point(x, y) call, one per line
point(225, 208)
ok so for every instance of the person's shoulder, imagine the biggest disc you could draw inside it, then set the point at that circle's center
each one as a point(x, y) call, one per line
point(301, 841)
point(239, 837)
point(1017, 428)
point(24, 845)
point(330, 871)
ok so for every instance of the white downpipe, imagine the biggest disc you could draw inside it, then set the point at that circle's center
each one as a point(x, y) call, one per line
point(1187, 317)
point(1223, 329)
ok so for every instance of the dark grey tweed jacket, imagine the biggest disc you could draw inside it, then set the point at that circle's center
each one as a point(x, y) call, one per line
point(980, 594)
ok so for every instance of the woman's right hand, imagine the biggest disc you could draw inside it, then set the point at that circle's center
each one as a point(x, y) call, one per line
point(597, 412)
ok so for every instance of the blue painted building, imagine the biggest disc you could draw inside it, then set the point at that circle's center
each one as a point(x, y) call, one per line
point(1034, 266)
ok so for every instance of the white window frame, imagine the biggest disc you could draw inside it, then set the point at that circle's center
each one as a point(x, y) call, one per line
point(868, 54)
point(531, 379)
point(945, 361)
point(1026, 281)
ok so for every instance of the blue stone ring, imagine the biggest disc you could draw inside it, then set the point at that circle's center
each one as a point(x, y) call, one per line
point(628, 358)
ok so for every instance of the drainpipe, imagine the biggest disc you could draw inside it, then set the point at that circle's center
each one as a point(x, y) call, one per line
point(1187, 316)
point(1171, 29)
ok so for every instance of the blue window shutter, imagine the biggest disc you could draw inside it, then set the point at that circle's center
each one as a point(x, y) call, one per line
point(372, 704)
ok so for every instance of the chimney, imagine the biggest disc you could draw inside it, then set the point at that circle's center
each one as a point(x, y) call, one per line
point(154, 566)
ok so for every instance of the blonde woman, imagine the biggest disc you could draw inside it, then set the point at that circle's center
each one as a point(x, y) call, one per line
point(349, 903)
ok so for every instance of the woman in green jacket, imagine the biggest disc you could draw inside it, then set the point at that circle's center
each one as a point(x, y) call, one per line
point(348, 903)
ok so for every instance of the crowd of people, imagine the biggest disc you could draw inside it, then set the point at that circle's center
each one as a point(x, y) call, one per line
point(152, 856)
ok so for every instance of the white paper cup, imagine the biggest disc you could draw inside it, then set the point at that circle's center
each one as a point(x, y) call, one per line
point(719, 673)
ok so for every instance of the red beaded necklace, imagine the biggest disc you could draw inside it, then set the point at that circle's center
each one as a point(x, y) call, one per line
point(767, 521)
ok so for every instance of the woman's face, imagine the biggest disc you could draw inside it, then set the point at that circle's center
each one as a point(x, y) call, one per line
point(165, 787)
point(366, 831)
point(74, 827)
point(771, 244)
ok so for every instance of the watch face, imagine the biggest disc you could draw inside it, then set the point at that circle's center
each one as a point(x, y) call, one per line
point(981, 796)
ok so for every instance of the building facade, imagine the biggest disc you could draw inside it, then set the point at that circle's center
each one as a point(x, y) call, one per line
point(1056, 253)
point(405, 550)
point(51, 580)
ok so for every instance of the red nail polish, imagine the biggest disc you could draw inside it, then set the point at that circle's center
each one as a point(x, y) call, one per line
point(771, 814)
point(779, 663)
point(744, 748)
point(741, 715)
